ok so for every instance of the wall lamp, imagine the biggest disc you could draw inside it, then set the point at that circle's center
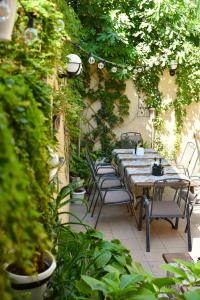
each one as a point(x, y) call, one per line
point(7, 18)
point(173, 67)
point(73, 67)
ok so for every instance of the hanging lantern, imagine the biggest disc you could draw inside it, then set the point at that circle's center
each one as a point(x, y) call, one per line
point(4, 10)
point(91, 60)
point(114, 69)
point(60, 25)
point(101, 65)
point(30, 34)
point(173, 67)
point(74, 66)
point(7, 18)
point(124, 71)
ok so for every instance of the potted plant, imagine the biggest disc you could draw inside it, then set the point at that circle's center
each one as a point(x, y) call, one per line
point(78, 194)
point(35, 284)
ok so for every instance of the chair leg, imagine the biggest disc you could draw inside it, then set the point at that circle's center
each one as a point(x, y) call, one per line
point(191, 210)
point(140, 215)
point(189, 231)
point(95, 204)
point(176, 223)
point(92, 200)
point(147, 234)
point(127, 205)
point(95, 226)
point(90, 184)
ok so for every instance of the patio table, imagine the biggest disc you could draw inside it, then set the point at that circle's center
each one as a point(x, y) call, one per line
point(147, 170)
point(146, 182)
point(131, 151)
point(121, 157)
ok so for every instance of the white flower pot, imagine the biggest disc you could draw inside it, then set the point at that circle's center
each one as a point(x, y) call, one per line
point(6, 27)
point(140, 151)
point(78, 196)
point(35, 285)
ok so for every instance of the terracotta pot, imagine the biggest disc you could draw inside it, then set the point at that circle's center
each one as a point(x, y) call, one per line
point(35, 285)
point(6, 27)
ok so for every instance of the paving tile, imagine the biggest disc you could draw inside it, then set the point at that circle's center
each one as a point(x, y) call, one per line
point(131, 244)
point(116, 222)
point(156, 270)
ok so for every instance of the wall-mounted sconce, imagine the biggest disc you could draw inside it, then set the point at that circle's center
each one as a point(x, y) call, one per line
point(73, 67)
point(7, 18)
point(173, 67)
point(152, 113)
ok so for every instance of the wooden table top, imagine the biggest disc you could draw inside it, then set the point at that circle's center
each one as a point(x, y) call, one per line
point(121, 157)
point(140, 163)
point(149, 180)
point(147, 170)
point(131, 151)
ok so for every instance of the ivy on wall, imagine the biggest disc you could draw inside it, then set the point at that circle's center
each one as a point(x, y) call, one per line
point(25, 131)
point(114, 107)
point(149, 34)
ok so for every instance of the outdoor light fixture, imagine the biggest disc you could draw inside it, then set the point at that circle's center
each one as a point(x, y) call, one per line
point(101, 65)
point(74, 65)
point(91, 60)
point(173, 67)
point(152, 113)
point(7, 18)
point(4, 10)
point(114, 69)
point(30, 34)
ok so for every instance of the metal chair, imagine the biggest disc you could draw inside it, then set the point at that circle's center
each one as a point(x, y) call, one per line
point(186, 157)
point(102, 180)
point(168, 203)
point(113, 196)
point(99, 169)
point(130, 139)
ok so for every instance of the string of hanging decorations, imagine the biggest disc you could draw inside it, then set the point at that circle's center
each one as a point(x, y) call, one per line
point(101, 62)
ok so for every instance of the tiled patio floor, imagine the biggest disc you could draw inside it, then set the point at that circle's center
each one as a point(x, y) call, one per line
point(116, 223)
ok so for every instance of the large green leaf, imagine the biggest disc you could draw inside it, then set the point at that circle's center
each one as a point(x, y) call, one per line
point(102, 259)
point(164, 281)
point(175, 270)
point(130, 279)
point(192, 295)
point(95, 284)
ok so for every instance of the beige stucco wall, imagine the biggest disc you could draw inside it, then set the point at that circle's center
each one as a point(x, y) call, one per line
point(133, 122)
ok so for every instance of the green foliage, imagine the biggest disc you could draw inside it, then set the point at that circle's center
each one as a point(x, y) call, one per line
point(148, 34)
point(114, 107)
point(25, 132)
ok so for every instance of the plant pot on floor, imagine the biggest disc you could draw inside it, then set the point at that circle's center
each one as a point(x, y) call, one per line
point(34, 284)
point(8, 9)
point(78, 195)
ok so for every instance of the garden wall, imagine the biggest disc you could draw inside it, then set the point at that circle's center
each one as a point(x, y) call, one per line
point(143, 124)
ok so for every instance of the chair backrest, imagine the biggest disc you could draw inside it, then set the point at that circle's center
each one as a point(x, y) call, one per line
point(187, 154)
point(171, 189)
point(90, 164)
point(130, 139)
point(196, 165)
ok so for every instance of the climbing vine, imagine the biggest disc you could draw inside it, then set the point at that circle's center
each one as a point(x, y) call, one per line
point(149, 34)
point(27, 91)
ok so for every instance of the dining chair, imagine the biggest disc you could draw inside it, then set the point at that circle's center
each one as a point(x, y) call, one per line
point(101, 180)
point(168, 203)
point(99, 169)
point(130, 139)
point(186, 157)
point(118, 196)
point(193, 195)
